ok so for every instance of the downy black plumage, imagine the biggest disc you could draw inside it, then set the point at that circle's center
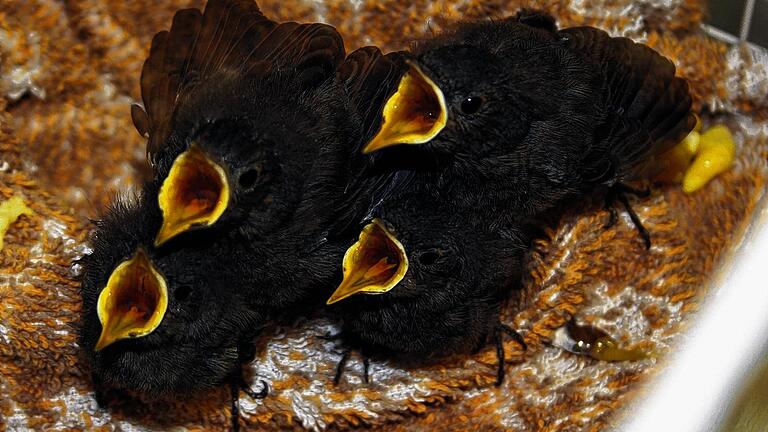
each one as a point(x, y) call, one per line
point(512, 116)
point(235, 93)
point(207, 328)
point(421, 283)
point(257, 101)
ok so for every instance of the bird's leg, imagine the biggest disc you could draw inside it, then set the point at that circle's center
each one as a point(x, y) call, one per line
point(345, 354)
point(613, 216)
point(340, 367)
point(235, 396)
point(500, 355)
point(246, 353)
point(619, 192)
point(644, 234)
point(237, 385)
point(366, 367)
point(514, 335)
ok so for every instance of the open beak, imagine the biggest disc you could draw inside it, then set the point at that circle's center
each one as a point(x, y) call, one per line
point(415, 114)
point(134, 301)
point(375, 264)
point(195, 193)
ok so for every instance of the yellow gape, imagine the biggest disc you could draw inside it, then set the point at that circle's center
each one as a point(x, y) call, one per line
point(375, 264)
point(195, 193)
point(415, 114)
point(134, 301)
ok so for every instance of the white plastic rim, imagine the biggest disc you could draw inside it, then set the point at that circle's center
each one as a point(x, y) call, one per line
point(727, 339)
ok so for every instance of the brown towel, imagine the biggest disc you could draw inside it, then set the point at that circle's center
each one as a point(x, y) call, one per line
point(68, 71)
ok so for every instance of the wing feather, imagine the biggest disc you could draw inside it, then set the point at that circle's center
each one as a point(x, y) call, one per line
point(230, 36)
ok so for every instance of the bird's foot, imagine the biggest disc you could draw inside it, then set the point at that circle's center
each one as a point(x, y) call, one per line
point(345, 355)
point(342, 364)
point(619, 192)
point(500, 330)
point(237, 385)
point(261, 394)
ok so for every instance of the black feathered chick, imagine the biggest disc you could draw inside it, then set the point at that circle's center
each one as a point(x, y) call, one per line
point(505, 119)
point(421, 282)
point(250, 137)
point(510, 117)
point(206, 325)
point(232, 111)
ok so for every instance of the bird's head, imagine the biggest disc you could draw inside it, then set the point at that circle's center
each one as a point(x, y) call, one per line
point(451, 101)
point(243, 156)
point(422, 280)
point(160, 321)
point(414, 246)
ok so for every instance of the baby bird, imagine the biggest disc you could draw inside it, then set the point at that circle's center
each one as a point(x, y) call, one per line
point(258, 177)
point(510, 117)
point(434, 283)
point(250, 139)
point(163, 322)
point(228, 99)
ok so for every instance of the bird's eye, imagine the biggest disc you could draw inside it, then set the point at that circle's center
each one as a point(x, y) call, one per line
point(249, 178)
point(471, 104)
point(430, 256)
point(182, 293)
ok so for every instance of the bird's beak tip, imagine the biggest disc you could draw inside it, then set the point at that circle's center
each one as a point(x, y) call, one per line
point(343, 291)
point(333, 299)
point(377, 144)
point(167, 231)
point(104, 341)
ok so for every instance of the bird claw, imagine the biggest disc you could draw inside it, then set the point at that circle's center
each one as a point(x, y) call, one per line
point(261, 394)
point(500, 355)
point(238, 384)
point(341, 365)
point(613, 216)
point(619, 192)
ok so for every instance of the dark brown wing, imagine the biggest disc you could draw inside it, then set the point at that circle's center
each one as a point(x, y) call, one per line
point(649, 108)
point(230, 36)
point(369, 78)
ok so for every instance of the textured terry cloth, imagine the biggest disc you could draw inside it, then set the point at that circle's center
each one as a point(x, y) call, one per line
point(68, 71)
